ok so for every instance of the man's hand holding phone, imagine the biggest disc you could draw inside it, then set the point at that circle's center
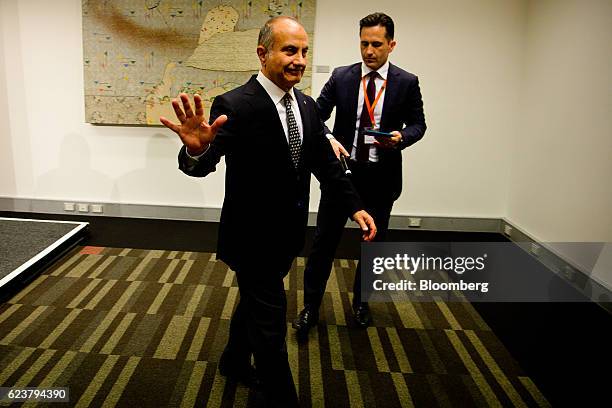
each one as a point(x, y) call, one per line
point(383, 139)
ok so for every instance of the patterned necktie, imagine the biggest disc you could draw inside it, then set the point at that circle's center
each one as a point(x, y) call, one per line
point(363, 151)
point(295, 145)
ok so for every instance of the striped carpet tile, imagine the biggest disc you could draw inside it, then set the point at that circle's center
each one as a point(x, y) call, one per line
point(145, 328)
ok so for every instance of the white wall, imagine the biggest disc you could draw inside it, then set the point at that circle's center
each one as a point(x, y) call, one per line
point(516, 98)
point(465, 55)
point(560, 187)
point(7, 167)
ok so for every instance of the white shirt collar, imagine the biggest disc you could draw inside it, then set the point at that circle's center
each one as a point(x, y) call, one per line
point(275, 92)
point(382, 71)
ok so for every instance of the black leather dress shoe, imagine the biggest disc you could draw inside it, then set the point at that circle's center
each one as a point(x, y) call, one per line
point(362, 315)
point(305, 320)
point(242, 373)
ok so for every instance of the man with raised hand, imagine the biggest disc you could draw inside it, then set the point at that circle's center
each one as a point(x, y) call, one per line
point(272, 139)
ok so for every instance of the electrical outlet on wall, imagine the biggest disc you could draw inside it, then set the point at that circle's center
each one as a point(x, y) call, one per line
point(414, 222)
point(68, 206)
point(97, 208)
point(83, 207)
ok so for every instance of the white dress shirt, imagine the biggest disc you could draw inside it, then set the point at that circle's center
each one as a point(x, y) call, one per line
point(277, 95)
point(379, 81)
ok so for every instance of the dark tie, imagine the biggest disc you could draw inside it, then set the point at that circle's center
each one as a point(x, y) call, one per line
point(363, 150)
point(294, 132)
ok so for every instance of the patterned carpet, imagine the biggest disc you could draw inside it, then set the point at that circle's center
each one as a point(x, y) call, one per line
point(145, 328)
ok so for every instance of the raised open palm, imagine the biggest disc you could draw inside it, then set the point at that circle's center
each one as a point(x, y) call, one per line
point(194, 131)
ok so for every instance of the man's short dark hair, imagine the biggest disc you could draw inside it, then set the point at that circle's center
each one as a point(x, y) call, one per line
point(378, 19)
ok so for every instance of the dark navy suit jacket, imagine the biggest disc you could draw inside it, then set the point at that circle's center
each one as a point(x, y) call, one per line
point(402, 111)
point(265, 209)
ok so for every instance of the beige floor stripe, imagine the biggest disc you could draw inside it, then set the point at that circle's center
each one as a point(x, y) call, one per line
point(99, 331)
point(125, 252)
point(54, 374)
point(28, 320)
point(47, 342)
point(9, 311)
point(41, 361)
point(198, 339)
point(216, 393)
point(124, 377)
point(127, 295)
point(353, 388)
point(84, 293)
point(159, 299)
point(59, 369)
point(398, 350)
point(379, 354)
point(241, 397)
point(229, 277)
point(96, 382)
point(332, 282)
point(432, 354)
point(100, 294)
point(294, 359)
point(180, 278)
point(169, 270)
point(28, 289)
point(448, 315)
point(230, 301)
point(408, 315)
point(535, 392)
point(110, 259)
point(80, 268)
point(495, 370)
point(114, 339)
point(186, 256)
point(141, 266)
point(66, 264)
point(335, 347)
point(475, 373)
point(403, 393)
point(482, 325)
point(314, 361)
point(193, 386)
point(194, 302)
point(15, 364)
point(170, 344)
point(338, 308)
point(299, 301)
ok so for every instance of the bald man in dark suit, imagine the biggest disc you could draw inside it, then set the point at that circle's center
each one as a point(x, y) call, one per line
point(272, 139)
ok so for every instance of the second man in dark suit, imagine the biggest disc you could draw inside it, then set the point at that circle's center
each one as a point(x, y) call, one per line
point(371, 94)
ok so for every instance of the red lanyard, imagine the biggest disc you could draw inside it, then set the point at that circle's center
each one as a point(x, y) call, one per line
point(370, 107)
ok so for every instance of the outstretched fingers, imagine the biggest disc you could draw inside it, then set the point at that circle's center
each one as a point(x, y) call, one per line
point(180, 115)
point(186, 105)
point(199, 106)
point(172, 126)
point(218, 123)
